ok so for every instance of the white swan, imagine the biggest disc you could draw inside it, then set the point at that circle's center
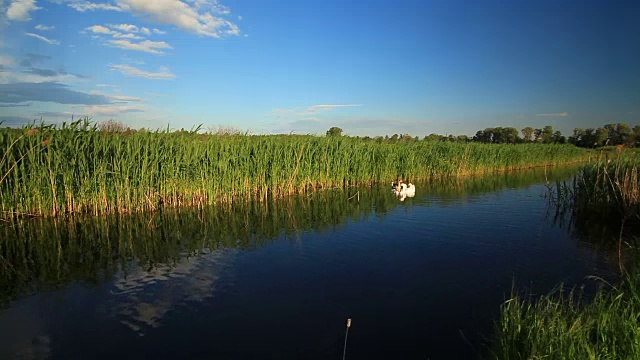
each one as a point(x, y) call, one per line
point(402, 190)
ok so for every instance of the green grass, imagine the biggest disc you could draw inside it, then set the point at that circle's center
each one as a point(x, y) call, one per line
point(608, 188)
point(75, 168)
point(566, 326)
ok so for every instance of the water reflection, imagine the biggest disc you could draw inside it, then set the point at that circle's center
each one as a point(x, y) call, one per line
point(41, 254)
point(138, 275)
point(142, 298)
point(601, 229)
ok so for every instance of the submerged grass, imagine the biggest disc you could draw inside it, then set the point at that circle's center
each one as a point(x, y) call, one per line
point(76, 168)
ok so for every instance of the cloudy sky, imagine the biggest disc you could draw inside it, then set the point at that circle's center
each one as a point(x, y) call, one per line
point(373, 68)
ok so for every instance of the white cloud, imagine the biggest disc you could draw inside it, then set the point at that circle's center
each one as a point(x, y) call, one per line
point(203, 17)
point(55, 114)
point(128, 70)
point(38, 77)
point(159, 32)
point(118, 35)
point(125, 98)
point(146, 46)
point(560, 114)
point(19, 9)
point(40, 37)
point(307, 113)
point(45, 27)
point(89, 6)
point(324, 107)
point(99, 29)
point(111, 110)
point(125, 27)
point(117, 99)
point(7, 61)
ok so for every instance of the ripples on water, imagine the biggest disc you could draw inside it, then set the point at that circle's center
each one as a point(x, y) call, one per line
point(420, 278)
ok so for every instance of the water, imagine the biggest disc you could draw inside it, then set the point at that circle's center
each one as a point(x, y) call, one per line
point(423, 278)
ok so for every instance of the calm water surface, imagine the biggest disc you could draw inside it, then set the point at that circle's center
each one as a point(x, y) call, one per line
point(423, 278)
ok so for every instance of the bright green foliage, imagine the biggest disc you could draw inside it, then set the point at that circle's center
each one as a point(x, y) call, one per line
point(606, 188)
point(334, 131)
point(78, 169)
point(565, 326)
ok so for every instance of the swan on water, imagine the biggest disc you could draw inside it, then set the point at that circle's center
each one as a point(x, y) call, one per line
point(403, 190)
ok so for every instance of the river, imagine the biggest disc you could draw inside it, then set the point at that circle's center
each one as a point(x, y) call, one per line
point(421, 278)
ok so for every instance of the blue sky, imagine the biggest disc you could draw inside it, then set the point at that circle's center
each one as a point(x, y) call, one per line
point(370, 67)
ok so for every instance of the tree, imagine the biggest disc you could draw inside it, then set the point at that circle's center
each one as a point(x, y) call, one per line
point(547, 134)
point(634, 139)
point(527, 133)
point(601, 137)
point(432, 137)
point(480, 136)
point(334, 131)
point(589, 138)
point(537, 133)
point(576, 138)
point(509, 135)
point(558, 138)
point(623, 133)
point(610, 130)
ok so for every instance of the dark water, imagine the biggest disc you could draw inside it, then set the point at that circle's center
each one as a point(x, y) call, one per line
point(423, 278)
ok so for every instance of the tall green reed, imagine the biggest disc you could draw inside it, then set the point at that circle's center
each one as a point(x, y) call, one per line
point(76, 168)
point(565, 325)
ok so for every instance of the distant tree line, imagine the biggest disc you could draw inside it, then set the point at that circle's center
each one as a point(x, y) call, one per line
point(610, 134)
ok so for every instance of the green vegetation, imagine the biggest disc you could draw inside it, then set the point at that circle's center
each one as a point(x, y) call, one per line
point(78, 168)
point(43, 254)
point(608, 188)
point(610, 134)
point(568, 326)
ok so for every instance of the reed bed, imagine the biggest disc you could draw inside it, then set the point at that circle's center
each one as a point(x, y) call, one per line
point(608, 187)
point(44, 254)
point(603, 199)
point(48, 253)
point(566, 326)
point(75, 168)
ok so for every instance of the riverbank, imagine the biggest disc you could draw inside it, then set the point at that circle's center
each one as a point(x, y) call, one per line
point(77, 169)
point(565, 325)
